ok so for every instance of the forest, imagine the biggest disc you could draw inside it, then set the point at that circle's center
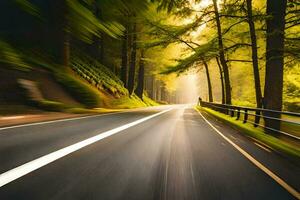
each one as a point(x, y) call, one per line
point(150, 99)
point(129, 53)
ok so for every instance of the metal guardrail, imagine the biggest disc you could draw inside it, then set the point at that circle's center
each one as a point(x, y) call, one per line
point(233, 111)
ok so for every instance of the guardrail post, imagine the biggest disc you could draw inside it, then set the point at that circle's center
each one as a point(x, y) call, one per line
point(238, 114)
point(245, 116)
point(226, 110)
point(257, 118)
point(232, 112)
point(223, 109)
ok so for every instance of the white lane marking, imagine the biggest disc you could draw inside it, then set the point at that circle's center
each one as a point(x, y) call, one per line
point(54, 121)
point(33, 165)
point(261, 146)
point(71, 119)
point(232, 137)
point(257, 141)
point(276, 178)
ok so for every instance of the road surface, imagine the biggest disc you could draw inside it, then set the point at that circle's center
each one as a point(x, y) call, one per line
point(168, 152)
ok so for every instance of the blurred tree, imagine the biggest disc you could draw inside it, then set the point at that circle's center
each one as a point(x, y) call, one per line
point(141, 76)
point(72, 18)
point(132, 65)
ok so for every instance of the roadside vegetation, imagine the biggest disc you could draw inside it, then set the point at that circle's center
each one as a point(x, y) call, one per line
point(280, 145)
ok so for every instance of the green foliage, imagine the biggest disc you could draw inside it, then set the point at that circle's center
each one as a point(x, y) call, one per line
point(84, 24)
point(205, 52)
point(97, 75)
point(170, 5)
point(166, 34)
point(82, 93)
point(292, 86)
point(292, 33)
point(29, 7)
point(293, 106)
point(149, 102)
point(11, 57)
point(291, 92)
point(128, 102)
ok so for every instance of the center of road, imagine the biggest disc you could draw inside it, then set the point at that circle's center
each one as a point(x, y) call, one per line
point(33, 165)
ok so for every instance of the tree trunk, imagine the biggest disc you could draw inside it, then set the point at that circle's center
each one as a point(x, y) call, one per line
point(222, 55)
point(274, 61)
point(140, 85)
point(131, 77)
point(210, 95)
point(163, 94)
point(124, 67)
point(258, 93)
point(158, 90)
point(221, 79)
point(154, 89)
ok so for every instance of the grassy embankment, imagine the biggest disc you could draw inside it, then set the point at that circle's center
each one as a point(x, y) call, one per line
point(283, 147)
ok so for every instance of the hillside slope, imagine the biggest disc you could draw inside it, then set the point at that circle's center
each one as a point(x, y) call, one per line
point(109, 87)
point(86, 84)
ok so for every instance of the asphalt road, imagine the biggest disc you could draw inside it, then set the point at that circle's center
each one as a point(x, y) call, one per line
point(167, 152)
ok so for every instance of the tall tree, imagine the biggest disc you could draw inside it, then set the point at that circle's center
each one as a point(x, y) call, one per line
point(132, 66)
point(258, 93)
point(209, 87)
point(222, 54)
point(276, 10)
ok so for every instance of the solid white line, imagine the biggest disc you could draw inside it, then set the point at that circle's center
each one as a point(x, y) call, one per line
point(26, 168)
point(261, 146)
point(54, 121)
point(281, 182)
